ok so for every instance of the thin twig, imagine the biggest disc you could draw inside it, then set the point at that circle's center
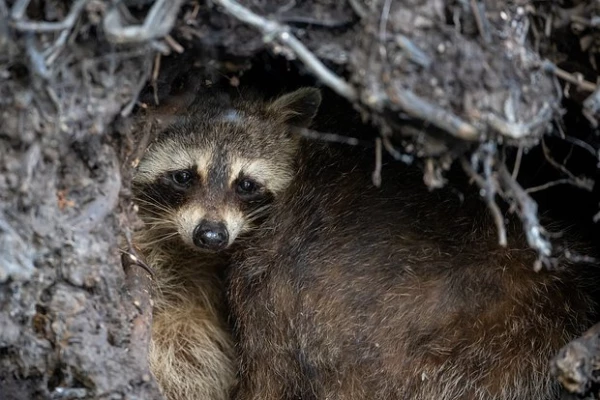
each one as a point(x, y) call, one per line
point(330, 137)
point(378, 160)
point(398, 156)
point(154, 79)
point(141, 83)
point(548, 185)
point(383, 20)
point(273, 30)
point(299, 19)
point(527, 210)
point(517, 166)
point(580, 143)
point(478, 13)
point(569, 77)
point(489, 192)
point(174, 44)
point(583, 183)
point(158, 23)
point(413, 51)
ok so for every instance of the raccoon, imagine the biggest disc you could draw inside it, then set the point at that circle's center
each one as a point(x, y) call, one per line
point(352, 292)
point(203, 186)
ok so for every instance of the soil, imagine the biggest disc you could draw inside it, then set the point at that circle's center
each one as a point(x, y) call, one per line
point(442, 80)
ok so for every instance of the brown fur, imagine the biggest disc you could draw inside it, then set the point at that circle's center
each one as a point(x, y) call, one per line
point(219, 142)
point(191, 352)
point(351, 292)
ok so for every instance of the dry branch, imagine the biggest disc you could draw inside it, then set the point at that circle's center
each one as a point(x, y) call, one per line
point(157, 24)
point(273, 30)
point(420, 108)
point(527, 210)
point(582, 183)
point(330, 137)
point(569, 77)
point(488, 186)
point(495, 178)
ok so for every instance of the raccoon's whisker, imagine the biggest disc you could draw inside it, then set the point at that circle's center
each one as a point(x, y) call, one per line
point(255, 218)
point(258, 212)
point(155, 220)
point(159, 231)
point(155, 242)
point(161, 238)
point(164, 233)
point(153, 204)
point(154, 208)
point(148, 219)
point(156, 226)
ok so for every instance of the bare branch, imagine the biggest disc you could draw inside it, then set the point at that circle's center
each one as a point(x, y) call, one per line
point(569, 77)
point(413, 51)
point(273, 30)
point(482, 25)
point(518, 130)
point(487, 186)
point(548, 185)
point(580, 143)
point(330, 137)
point(157, 24)
point(517, 165)
point(174, 44)
point(378, 156)
point(583, 183)
point(527, 209)
point(437, 116)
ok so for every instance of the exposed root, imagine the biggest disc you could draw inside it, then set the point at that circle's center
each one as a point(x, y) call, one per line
point(157, 24)
point(274, 31)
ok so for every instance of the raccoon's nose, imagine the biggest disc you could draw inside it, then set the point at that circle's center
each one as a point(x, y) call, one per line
point(211, 235)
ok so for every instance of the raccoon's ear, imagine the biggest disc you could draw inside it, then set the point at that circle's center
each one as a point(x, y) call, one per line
point(297, 108)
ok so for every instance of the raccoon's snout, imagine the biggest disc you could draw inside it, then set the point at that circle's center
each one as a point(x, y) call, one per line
point(211, 235)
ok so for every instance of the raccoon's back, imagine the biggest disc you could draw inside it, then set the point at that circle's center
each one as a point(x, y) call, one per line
point(397, 293)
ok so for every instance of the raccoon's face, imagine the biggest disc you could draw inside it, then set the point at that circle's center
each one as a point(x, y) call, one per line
point(212, 175)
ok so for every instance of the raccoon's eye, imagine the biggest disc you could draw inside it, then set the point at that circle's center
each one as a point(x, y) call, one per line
point(182, 178)
point(247, 187)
